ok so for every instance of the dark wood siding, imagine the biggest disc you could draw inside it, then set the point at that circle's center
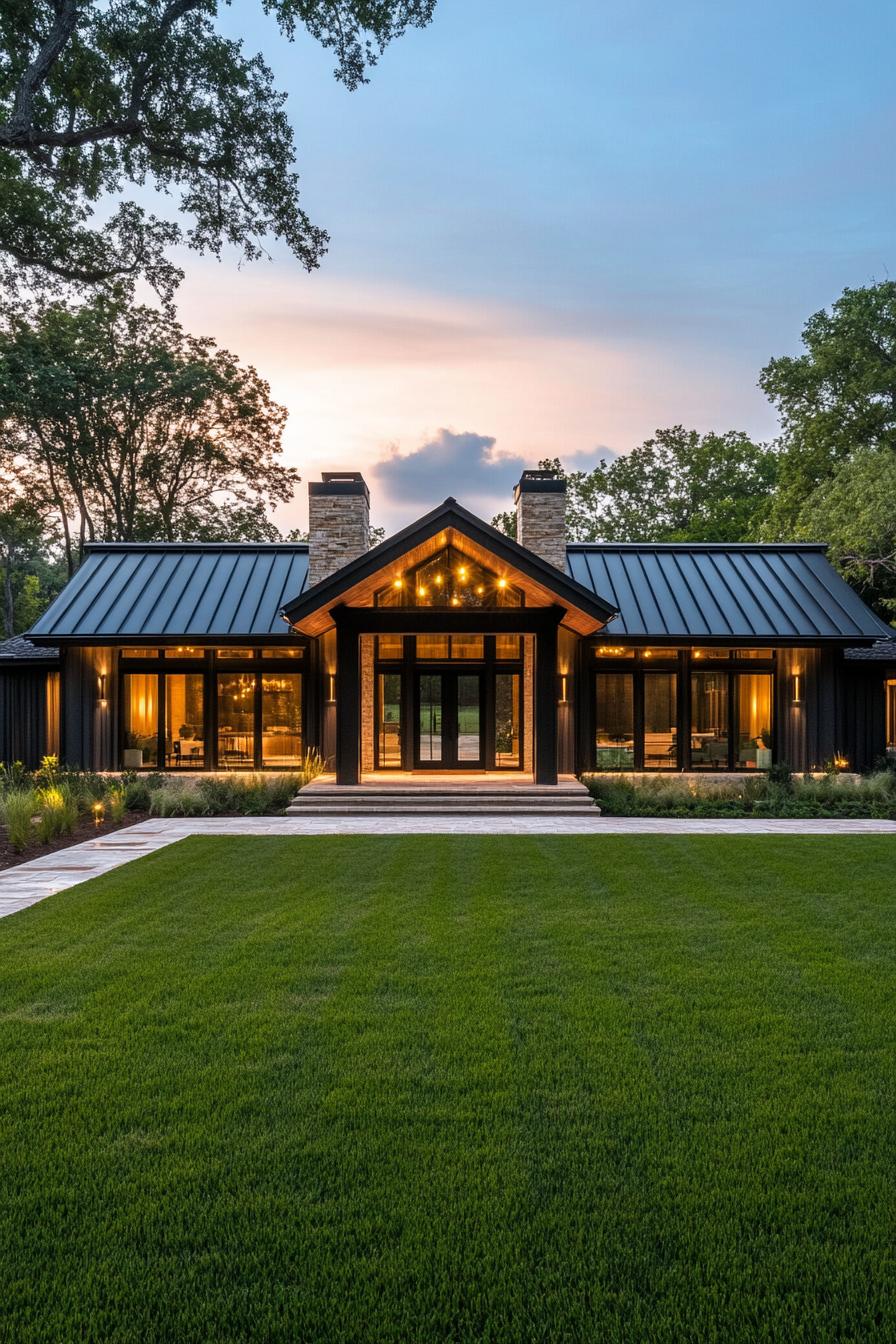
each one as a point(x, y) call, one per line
point(861, 712)
point(29, 714)
point(89, 736)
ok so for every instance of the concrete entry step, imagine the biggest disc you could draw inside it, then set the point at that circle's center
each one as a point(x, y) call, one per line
point(431, 795)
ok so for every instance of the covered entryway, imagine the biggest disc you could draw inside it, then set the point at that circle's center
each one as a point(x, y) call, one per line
point(441, 652)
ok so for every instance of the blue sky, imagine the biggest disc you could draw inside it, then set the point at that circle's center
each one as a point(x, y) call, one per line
point(556, 227)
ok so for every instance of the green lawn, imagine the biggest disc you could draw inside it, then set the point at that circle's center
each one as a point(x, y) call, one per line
point(441, 1088)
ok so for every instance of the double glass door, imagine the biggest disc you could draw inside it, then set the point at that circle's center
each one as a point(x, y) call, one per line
point(448, 717)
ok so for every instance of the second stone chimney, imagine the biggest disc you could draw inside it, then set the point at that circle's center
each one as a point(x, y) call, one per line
point(540, 498)
point(338, 522)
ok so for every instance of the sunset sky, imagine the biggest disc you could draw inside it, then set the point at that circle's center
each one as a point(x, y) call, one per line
point(556, 227)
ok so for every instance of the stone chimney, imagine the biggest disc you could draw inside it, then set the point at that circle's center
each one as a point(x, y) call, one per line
point(540, 498)
point(338, 522)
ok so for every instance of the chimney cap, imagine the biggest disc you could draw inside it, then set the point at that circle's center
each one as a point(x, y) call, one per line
point(543, 480)
point(340, 483)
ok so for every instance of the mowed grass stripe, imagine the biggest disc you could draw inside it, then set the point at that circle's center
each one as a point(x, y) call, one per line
point(454, 1088)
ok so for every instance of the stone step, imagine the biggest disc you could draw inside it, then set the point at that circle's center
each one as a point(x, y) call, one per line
point(407, 809)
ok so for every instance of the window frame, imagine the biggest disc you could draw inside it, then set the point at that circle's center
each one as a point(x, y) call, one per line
point(680, 660)
point(210, 666)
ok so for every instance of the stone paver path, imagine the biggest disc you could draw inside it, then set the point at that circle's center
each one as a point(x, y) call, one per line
point(30, 882)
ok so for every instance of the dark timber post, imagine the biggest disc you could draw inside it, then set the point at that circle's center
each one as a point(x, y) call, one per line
point(546, 701)
point(348, 700)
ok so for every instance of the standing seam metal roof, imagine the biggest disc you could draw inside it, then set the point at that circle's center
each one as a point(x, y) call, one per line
point(680, 590)
point(170, 591)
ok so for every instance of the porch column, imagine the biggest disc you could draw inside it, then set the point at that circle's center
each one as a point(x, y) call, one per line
point(348, 701)
point(546, 702)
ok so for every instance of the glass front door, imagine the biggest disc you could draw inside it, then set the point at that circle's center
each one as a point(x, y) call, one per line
point(448, 715)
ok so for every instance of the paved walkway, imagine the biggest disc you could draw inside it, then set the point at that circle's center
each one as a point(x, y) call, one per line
point(30, 882)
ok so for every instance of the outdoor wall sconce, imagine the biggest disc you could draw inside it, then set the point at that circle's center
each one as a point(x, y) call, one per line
point(103, 701)
point(796, 689)
point(562, 697)
point(331, 689)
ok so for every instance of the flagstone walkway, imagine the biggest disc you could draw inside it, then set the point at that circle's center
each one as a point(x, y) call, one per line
point(30, 882)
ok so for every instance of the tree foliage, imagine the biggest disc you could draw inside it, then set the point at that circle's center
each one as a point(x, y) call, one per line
point(133, 430)
point(835, 398)
point(677, 486)
point(30, 572)
point(101, 96)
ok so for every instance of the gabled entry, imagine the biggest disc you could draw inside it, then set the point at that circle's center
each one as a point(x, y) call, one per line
point(446, 649)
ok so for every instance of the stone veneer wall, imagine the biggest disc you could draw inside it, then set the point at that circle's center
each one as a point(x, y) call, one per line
point(367, 705)
point(541, 524)
point(338, 530)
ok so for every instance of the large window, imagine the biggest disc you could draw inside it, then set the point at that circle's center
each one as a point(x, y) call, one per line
point(388, 733)
point(698, 712)
point(615, 723)
point(281, 719)
point(141, 719)
point(890, 688)
point(184, 720)
point(709, 720)
point(754, 720)
point(449, 579)
point(660, 720)
point(507, 721)
point(236, 719)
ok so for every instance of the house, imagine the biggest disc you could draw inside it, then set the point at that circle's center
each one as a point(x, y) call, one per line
point(451, 647)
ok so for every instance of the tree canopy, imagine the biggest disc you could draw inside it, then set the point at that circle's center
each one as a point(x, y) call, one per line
point(678, 486)
point(836, 397)
point(133, 430)
point(98, 97)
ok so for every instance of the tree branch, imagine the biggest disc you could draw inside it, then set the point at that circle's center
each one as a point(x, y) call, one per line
point(19, 125)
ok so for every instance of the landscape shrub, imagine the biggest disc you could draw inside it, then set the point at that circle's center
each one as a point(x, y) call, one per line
point(773, 795)
point(19, 808)
point(59, 810)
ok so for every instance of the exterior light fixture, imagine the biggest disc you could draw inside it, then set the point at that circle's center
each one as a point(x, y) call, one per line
point(103, 700)
point(98, 812)
point(562, 695)
point(331, 689)
point(796, 689)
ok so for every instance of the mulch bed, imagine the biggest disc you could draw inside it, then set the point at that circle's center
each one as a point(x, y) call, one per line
point(86, 829)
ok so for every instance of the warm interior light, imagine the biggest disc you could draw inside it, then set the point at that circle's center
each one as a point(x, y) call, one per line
point(479, 588)
point(455, 601)
point(438, 580)
point(421, 592)
point(462, 572)
point(648, 653)
point(502, 583)
point(399, 583)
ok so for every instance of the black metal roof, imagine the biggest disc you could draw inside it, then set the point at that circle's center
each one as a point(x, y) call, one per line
point(177, 591)
point(703, 591)
point(21, 650)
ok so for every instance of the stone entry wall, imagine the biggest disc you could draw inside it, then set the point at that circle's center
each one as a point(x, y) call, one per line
point(368, 756)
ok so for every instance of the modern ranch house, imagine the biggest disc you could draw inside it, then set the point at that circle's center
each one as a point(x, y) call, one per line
point(451, 648)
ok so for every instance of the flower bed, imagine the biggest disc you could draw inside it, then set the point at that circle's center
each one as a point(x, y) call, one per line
point(777, 794)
